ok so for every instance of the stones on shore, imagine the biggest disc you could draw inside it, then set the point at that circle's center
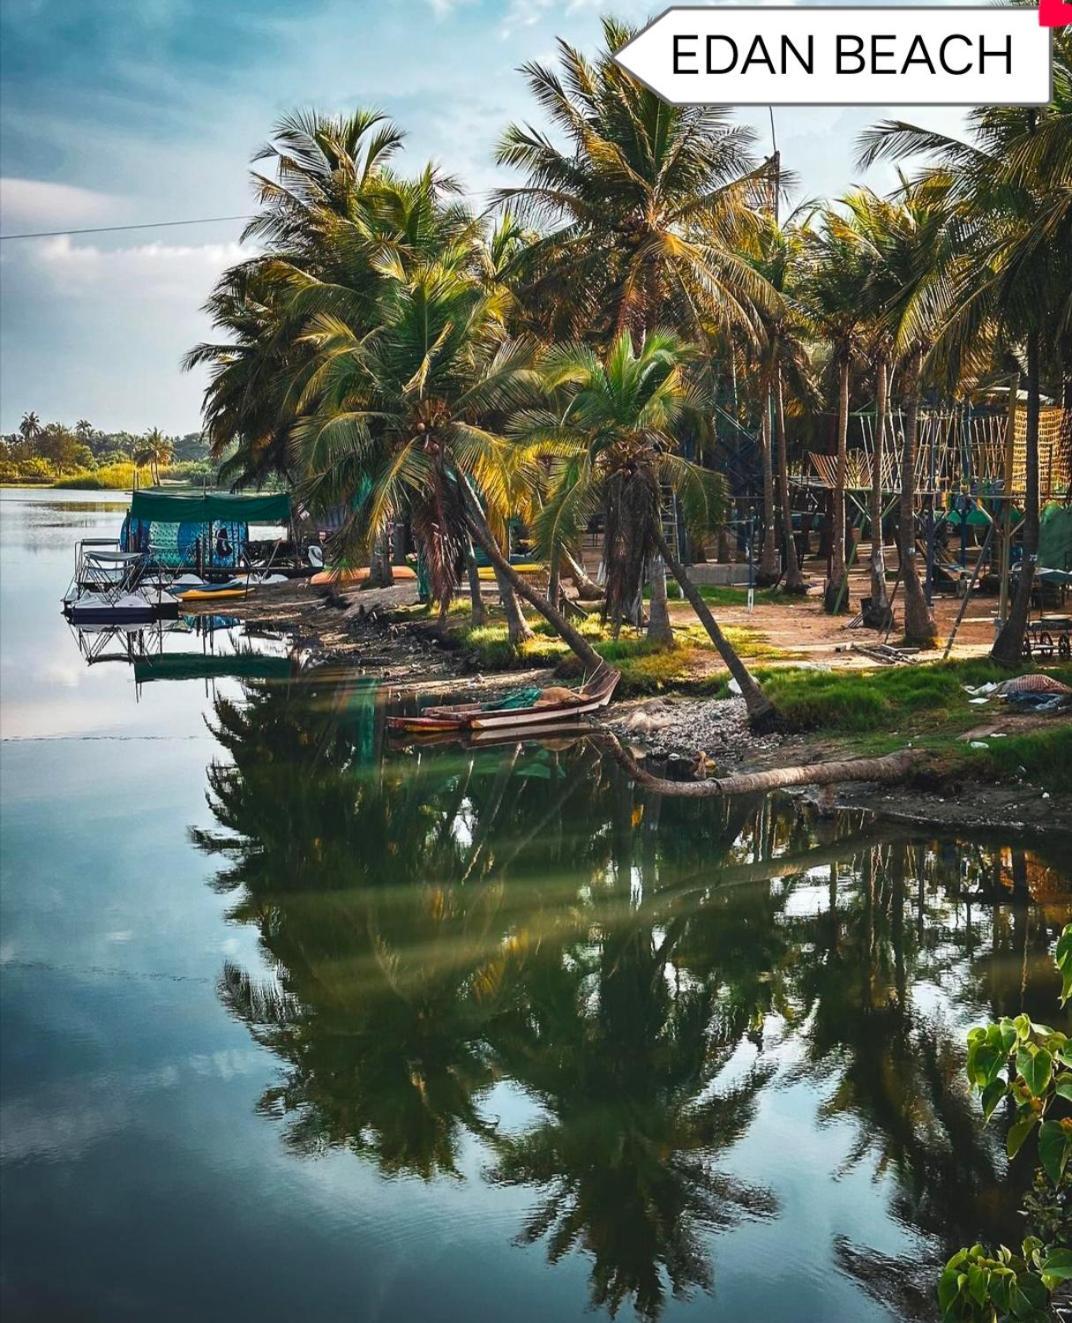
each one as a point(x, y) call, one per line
point(699, 734)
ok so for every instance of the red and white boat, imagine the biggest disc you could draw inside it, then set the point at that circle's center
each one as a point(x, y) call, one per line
point(592, 696)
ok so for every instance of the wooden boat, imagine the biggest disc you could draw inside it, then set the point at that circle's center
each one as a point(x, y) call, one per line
point(592, 696)
point(340, 577)
point(554, 736)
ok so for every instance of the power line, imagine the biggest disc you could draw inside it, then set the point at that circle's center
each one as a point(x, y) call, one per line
point(113, 229)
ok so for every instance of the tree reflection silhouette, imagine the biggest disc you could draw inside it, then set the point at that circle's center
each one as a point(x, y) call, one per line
point(438, 922)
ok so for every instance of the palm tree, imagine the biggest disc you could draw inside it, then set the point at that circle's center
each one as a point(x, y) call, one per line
point(30, 427)
point(398, 414)
point(154, 449)
point(835, 283)
point(873, 219)
point(644, 202)
point(83, 429)
point(314, 218)
point(612, 433)
point(779, 254)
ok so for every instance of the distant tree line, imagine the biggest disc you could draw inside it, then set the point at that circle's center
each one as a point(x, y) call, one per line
point(47, 452)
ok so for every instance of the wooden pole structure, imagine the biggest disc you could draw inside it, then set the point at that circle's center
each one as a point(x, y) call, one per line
point(1006, 496)
point(967, 596)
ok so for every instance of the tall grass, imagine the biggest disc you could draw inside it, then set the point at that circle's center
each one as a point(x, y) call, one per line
point(120, 476)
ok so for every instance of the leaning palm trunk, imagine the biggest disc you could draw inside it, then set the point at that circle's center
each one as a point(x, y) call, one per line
point(768, 556)
point(889, 769)
point(505, 572)
point(919, 622)
point(660, 630)
point(761, 711)
point(794, 579)
point(879, 600)
point(587, 588)
point(1009, 644)
point(836, 588)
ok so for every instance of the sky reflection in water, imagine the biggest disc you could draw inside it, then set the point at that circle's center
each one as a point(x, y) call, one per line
point(368, 1033)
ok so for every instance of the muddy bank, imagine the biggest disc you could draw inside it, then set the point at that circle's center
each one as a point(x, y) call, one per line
point(356, 630)
point(973, 805)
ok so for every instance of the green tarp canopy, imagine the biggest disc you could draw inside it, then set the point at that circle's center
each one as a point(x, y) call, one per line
point(1055, 538)
point(211, 666)
point(157, 507)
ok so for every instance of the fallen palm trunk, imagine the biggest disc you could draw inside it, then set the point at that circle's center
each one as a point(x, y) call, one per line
point(890, 768)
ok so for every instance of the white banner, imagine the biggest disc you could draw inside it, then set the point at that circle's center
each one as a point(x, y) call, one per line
point(834, 56)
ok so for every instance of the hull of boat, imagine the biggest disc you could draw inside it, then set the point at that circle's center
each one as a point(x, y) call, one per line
point(208, 595)
point(503, 720)
point(100, 613)
point(554, 734)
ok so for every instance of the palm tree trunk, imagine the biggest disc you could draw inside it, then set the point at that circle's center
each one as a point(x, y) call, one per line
point(380, 575)
point(889, 769)
point(660, 630)
point(836, 594)
point(554, 578)
point(794, 579)
point(517, 627)
point(762, 713)
point(879, 599)
point(482, 536)
point(478, 615)
point(920, 628)
point(1008, 646)
point(768, 556)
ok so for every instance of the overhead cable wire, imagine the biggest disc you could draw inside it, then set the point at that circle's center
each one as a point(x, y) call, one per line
point(114, 229)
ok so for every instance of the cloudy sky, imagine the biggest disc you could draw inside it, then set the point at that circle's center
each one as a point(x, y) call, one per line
point(122, 111)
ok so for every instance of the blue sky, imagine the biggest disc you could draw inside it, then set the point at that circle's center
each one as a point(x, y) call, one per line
point(120, 111)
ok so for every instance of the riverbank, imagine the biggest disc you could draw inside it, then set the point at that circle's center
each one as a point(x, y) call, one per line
point(984, 764)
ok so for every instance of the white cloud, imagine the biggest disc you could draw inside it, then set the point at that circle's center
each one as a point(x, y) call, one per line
point(37, 204)
point(184, 272)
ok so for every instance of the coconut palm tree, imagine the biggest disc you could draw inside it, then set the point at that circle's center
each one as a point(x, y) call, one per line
point(611, 432)
point(873, 219)
point(779, 252)
point(398, 414)
point(642, 203)
point(154, 449)
point(836, 279)
point(30, 426)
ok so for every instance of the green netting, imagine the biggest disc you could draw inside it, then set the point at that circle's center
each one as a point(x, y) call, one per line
point(1055, 538)
point(517, 698)
point(211, 666)
point(198, 507)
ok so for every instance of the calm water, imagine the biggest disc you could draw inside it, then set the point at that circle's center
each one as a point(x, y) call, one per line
point(297, 1025)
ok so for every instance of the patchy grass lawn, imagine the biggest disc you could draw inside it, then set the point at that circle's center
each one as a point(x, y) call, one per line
point(646, 669)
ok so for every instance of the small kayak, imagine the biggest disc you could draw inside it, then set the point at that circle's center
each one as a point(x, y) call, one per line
point(213, 592)
point(487, 572)
point(339, 575)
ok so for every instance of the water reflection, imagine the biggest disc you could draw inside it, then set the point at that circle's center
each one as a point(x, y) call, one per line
point(635, 976)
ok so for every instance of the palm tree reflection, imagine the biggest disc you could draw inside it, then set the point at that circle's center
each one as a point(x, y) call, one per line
point(437, 924)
